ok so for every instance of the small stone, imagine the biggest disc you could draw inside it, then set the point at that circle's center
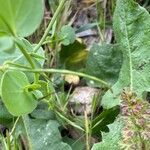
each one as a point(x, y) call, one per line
point(82, 98)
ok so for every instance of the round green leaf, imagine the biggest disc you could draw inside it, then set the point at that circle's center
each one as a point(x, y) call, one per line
point(17, 100)
point(20, 17)
point(67, 35)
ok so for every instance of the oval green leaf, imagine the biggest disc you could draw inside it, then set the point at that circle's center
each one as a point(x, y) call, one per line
point(20, 17)
point(16, 99)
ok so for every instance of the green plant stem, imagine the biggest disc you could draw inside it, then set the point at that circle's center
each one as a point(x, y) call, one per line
point(14, 126)
point(29, 59)
point(5, 144)
point(87, 131)
point(59, 9)
point(63, 72)
point(100, 20)
point(78, 139)
point(26, 55)
point(69, 121)
point(8, 141)
point(67, 99)
point(17, 65)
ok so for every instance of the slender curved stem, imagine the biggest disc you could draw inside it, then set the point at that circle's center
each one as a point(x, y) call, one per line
point(29, 59)
point(26, 55)
point(14, 126)
point(60, 7)
point(63, 72)
point(16, 65)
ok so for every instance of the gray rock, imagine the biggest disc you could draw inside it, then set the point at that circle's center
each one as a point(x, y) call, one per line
point(81, 99)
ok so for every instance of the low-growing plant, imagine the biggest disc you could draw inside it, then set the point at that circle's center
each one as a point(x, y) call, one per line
point(35, 89)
